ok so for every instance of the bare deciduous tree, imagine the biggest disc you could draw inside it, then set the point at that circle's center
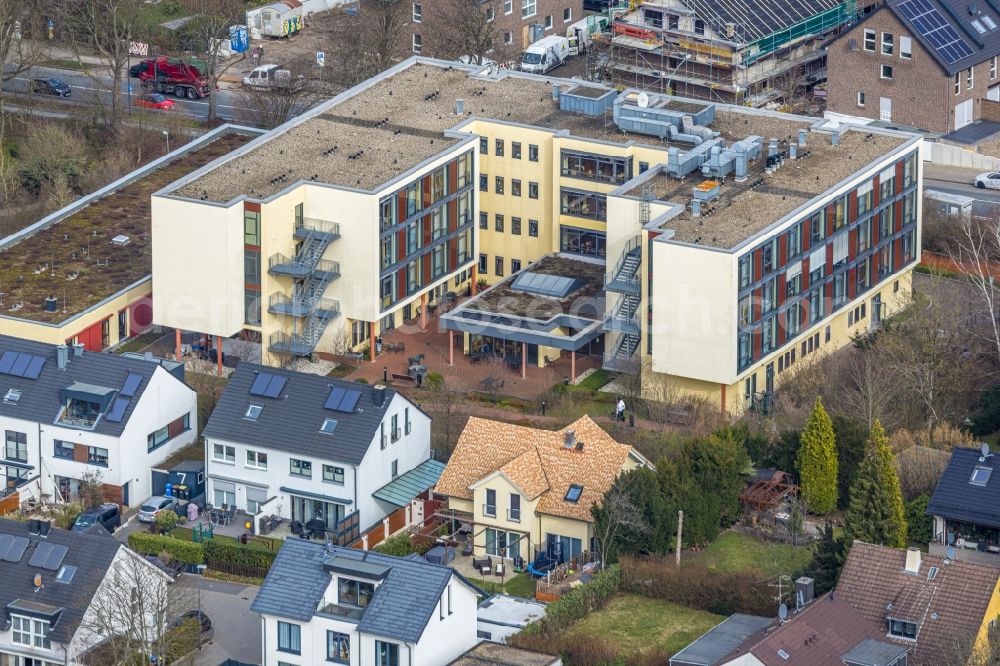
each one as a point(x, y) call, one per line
point(616, 514)
point(866, 390)
point(211, 29)
point(372, 41)
point(975, 246)
point(106, 27)
point(270, 108)
point(131, 612)
point(466, 28)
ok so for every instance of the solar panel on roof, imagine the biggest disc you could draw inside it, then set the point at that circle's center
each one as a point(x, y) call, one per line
point(15, 548)
point(6, 361)
point(20, 365)
point(556, 286)
point(117, 411)
point(335, 398)
point(349, 402)
point(34, 368)
point(940, 34)
point(260, 383)
point(55, 557)
point(41, 553)
point(273, 389)
point(131, 384)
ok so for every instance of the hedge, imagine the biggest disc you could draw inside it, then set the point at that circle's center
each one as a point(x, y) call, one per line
point(236, 554)
point(578, 602)
point(398, 545)
point(184, 552)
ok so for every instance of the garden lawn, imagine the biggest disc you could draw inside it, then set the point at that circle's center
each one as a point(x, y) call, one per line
point(635, 623)
point(521, 585)
point(737, 552)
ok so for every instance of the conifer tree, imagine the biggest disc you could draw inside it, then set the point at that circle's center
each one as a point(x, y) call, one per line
point(876, 513)
point(817, 462)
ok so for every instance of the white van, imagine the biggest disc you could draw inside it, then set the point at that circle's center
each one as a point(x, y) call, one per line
point(545, 54)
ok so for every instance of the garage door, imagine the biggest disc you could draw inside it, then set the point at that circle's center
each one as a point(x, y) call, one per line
point(963, 114)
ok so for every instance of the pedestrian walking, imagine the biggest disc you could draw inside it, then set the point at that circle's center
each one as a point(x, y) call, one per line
point(620, 410)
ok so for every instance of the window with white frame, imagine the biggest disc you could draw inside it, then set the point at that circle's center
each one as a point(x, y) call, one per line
point(567, 14)
point(528, 8)
point(508, 38)
point(548, 22)
point(29, 631)
point(869, 40)
point(886, 71)
point(418, 43)
point(417, 12)
point(970, 76)
point(888, 42)
point(958, 82)
point(223, 453)
point(256, 459)
point(861, 98)
point(491, 14)
point(993, 67)
point(508, 6)
point(905, 47)
point(333, 474)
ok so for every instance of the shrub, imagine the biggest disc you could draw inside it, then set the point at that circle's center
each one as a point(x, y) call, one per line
point(578, 602)
point(398, 545)
point(230, 553)
point(696, 586)
point(166, 521)
point(921, 526)
point(434, 380)
point(65, 514)
point(184, 552)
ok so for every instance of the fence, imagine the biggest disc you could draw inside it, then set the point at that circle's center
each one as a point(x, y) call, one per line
point(10, 503)
point(956, 156)
point(237, 569)
point(399, 520)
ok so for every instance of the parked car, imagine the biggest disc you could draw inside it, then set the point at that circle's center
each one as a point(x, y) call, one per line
point(154, 505)
point(988, 181)
point(156, 101)
point(109, 515)
point(49, 86)
point(205, 624)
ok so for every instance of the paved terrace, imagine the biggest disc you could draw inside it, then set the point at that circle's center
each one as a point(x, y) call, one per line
point(390, 126)
point(74, 256)
point(745, 209)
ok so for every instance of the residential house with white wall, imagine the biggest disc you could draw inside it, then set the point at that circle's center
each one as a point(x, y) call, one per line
point(66, 412)
point(328, 604)
point(305, 446)
point(56, 588)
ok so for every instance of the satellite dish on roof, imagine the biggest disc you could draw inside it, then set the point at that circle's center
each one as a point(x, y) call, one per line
point(782, 612)
point(643, 100)
point(984, 449)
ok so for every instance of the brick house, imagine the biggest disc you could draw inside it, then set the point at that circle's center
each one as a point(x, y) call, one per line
point(935, 78)
point(515, 19)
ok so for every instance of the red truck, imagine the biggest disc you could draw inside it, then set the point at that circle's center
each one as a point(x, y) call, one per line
point(178, 76)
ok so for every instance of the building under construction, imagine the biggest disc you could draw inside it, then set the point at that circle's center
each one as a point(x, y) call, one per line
point(734, 51)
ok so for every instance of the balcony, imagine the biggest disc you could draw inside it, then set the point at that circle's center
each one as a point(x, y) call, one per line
point(285, 343)
point(311, 226)
point(351, 613)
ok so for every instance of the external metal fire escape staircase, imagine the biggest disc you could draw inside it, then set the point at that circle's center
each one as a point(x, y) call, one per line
point(623, 320)
point(312, 275)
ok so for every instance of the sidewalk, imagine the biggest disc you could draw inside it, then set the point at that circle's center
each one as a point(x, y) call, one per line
point(950, 174)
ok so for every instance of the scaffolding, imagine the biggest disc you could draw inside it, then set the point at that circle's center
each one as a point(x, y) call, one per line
point(728, 69)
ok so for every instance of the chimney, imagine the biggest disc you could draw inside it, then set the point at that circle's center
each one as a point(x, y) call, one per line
point(378, 397)
point(570, 439)
point(912, 561)
point(62, 356)
point(793, 151)
point(78, 349)
point(802, 138)
point(804, 592)
point(33, 526)
point(459, 107)
point(43, 528)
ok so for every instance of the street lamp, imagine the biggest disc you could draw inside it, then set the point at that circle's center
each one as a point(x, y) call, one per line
point(167, 134)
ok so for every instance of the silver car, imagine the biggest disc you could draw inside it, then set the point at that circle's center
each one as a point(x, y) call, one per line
point(154, 505)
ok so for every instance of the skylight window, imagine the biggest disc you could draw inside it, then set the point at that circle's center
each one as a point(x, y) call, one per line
point(979, 27)
point(574, 492)
point(988, 22)
point(980, 475)
point(13, 395)
point(329, 425)
point(66, 574)
point(253, 412)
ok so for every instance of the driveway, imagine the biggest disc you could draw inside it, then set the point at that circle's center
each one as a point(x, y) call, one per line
point(237, 630)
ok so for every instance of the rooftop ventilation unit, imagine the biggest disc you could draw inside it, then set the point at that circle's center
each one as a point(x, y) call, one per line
point(668, 118)
point(120, 240)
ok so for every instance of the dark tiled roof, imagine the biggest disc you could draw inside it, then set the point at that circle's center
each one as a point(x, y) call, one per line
point(400, 608)
point(291, 422)
point(721, 639)
point(871, 652)
point(757, 18)
point(958, 15)
point(40, 398)
point(90, 554)
point(957, 499)
point(947, 609)
point(819, 635)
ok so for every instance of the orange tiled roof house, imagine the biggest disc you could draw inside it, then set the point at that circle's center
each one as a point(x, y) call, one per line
point(525, 491)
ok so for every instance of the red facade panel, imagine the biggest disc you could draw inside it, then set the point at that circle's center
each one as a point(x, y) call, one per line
point(875, 192)
point(852, 282)
point(898, 226)
point(782, 250)
point(899, 177)
point(758, 258)
point(852, 206)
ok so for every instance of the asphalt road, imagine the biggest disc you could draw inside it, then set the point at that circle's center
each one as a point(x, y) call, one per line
point(95, 87)
point(237, 630)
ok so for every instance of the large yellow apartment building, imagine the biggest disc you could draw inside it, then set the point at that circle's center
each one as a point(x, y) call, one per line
point(710, 247)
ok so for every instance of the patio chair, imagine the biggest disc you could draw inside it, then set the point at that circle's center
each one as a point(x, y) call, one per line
point(480, 563)
point(230, 514)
